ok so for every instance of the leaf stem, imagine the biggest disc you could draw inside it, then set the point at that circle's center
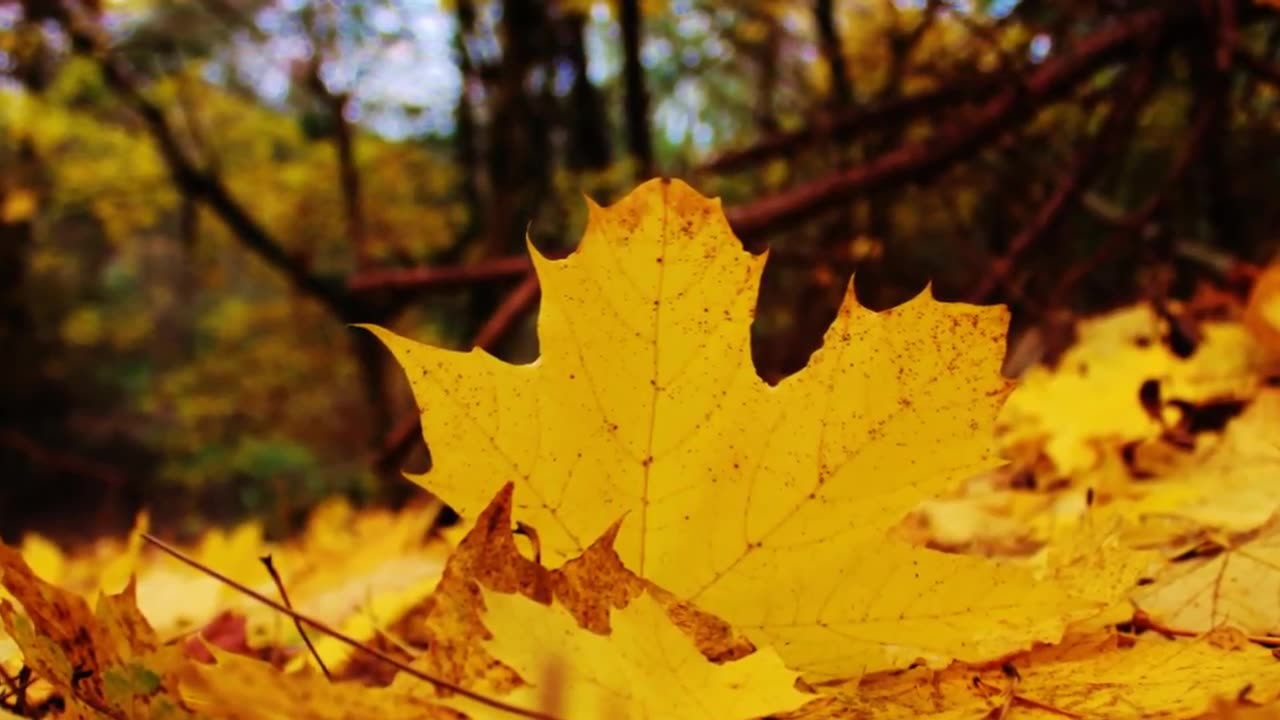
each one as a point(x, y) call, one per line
point(275, 577)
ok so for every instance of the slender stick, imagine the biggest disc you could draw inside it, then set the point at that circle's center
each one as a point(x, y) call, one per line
point(344, 638)
point(275, 577)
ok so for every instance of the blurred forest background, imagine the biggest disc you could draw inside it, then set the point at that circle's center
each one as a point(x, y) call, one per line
point(198, 196)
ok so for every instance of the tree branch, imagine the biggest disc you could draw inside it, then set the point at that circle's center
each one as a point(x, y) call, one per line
point(1140, 220)
point(1210, 70)
point(434, 278)
point(348, 173)
point(1010, 108)
point(188, 176)
point(848, 124)
point(335, 105)
point(637, 95)
point(1129, 99)
point(60, 461)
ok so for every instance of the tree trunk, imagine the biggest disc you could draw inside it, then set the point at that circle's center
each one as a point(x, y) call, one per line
point(588, 124)
point(639, 141)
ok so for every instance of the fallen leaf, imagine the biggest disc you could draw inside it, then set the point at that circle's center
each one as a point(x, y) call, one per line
point(1237, 585)
point(241, 688)
point(643, 668)
point(1237, 480)
point(1115, 386)
point(1262, 314)
point(1089, 676)
point(345, 568)
point(444, 635)
point(767, 506)
point(109, 661)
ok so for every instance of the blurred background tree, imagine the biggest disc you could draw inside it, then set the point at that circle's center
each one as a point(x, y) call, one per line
point(199, 196)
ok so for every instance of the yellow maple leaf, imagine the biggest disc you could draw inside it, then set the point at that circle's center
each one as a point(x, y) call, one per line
point(1090, 403)
point(1236, 585)
point(766, 506)
point(1236, 480)
point(644, 668)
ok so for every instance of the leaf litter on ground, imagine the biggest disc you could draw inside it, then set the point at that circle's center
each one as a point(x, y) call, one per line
point(718, 547)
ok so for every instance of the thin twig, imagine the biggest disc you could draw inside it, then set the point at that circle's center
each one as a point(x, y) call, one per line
point(423, 278)
point(54, 460)
point(275, 577)
point(344, 638)
point(1011, 108)
point(849, 123)
point(12, 684)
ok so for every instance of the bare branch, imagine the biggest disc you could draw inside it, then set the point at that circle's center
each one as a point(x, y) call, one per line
point(434, 278)
point(1011, 107)
point(58, 460)
point(344, 137)
point(1130, 97)
point(849, 124)
point(189, 177)
point(833, 51)
point(1140, 220)
point(505, 317)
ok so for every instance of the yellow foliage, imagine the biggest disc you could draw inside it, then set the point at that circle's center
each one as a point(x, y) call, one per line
point(1235, 585)
point(1092, 402)
point(1230, 489)
point(1262, 314)
point(709, 538)
point(103, 662)
point(83, 327)
point(1090, 676)
point(645, 404)
point(644, 668)
point(240, 688)
point(17, 205)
